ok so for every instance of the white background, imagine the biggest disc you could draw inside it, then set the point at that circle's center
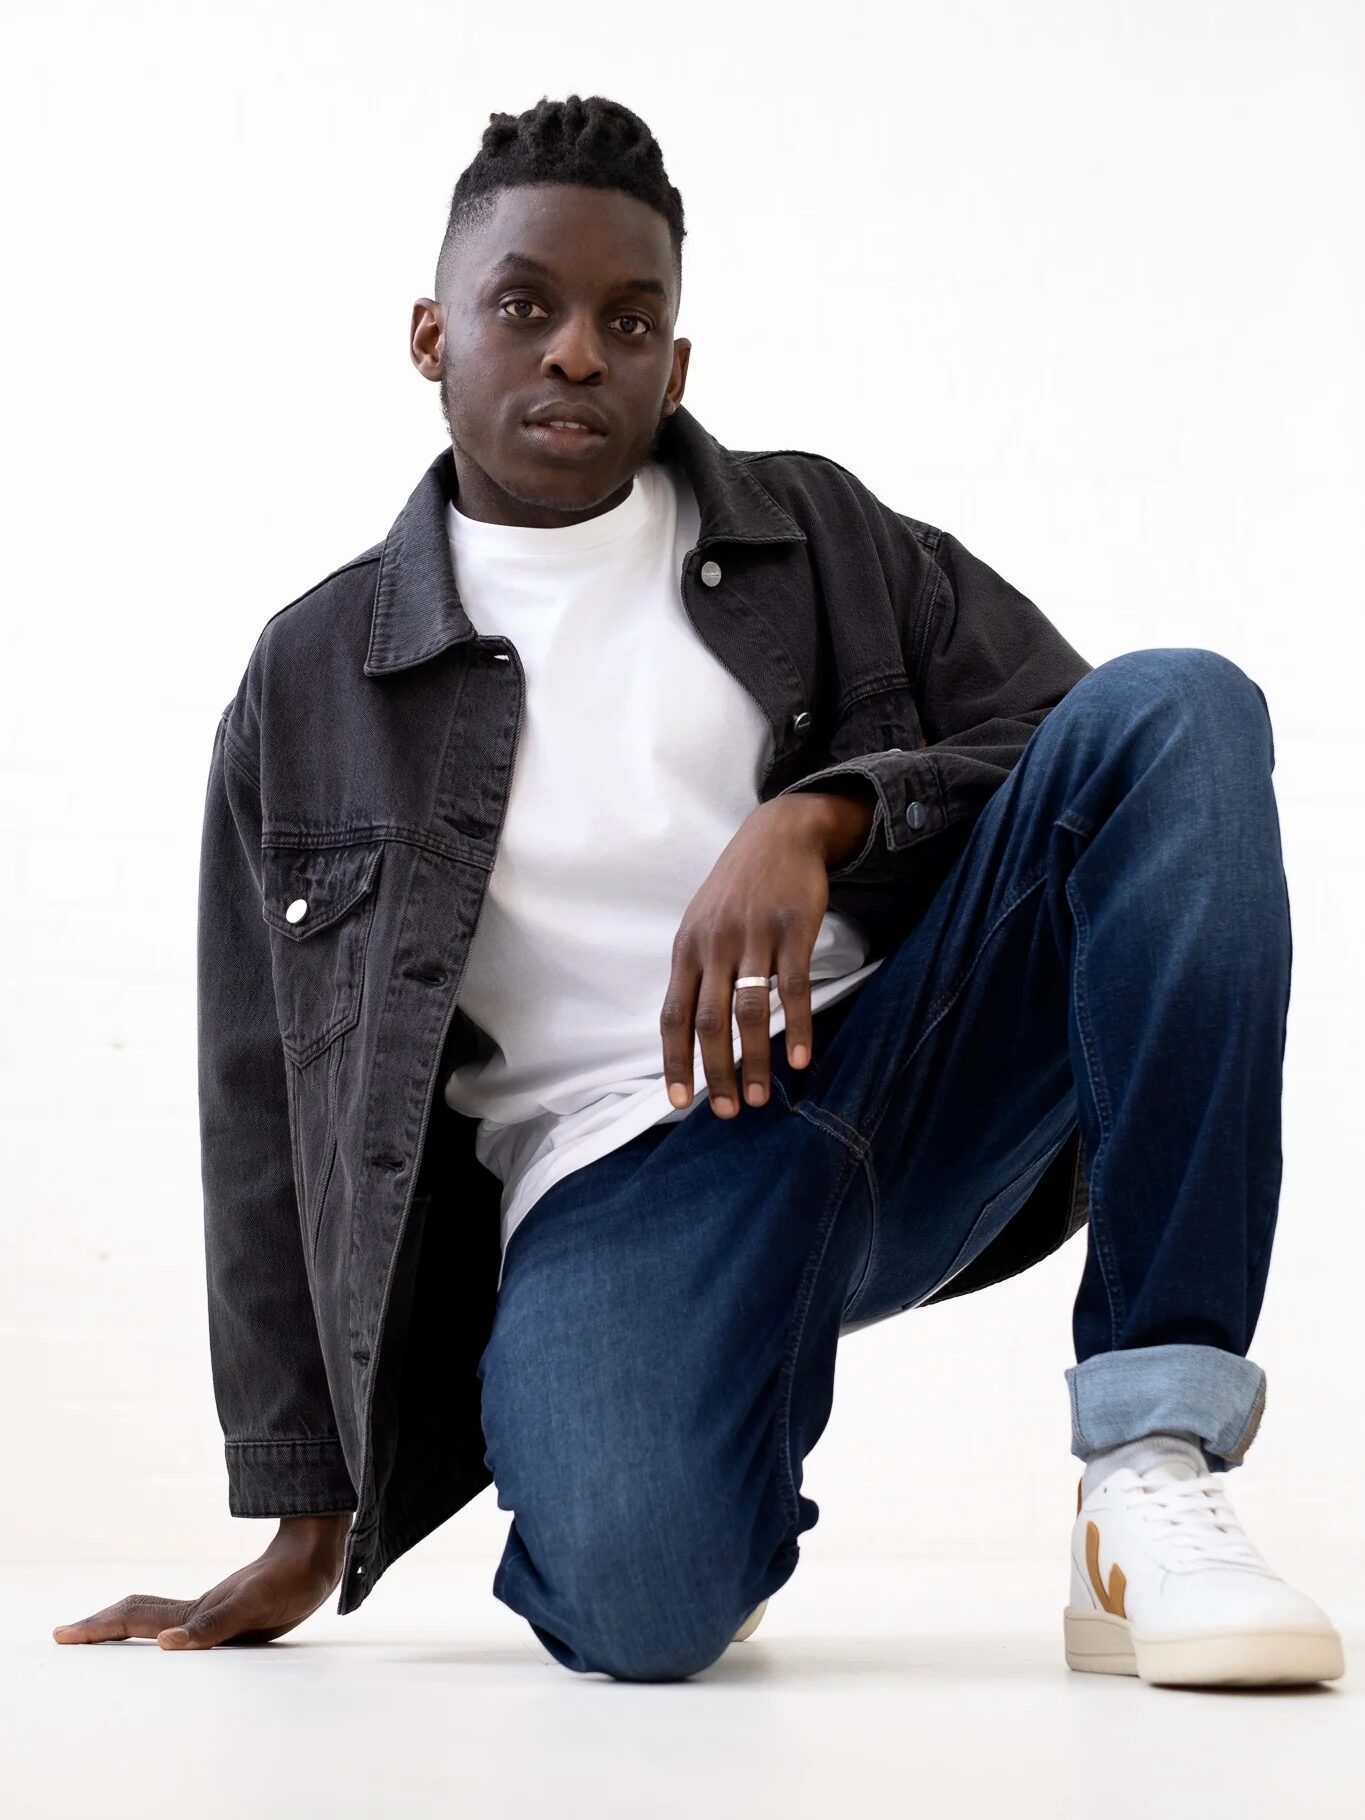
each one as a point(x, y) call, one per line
point(1080, 283)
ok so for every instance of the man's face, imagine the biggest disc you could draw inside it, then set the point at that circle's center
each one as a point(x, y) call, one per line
point(565, 296)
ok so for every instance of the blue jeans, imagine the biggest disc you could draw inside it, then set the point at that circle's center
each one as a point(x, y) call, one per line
point(1112, 946)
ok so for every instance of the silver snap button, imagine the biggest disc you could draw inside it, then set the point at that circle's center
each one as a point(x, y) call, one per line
point(801, 721)
point(710, 573)
point(916, 814)
point(299, 908)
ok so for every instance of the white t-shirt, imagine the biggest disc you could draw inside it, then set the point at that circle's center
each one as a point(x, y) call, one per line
point(639, 757)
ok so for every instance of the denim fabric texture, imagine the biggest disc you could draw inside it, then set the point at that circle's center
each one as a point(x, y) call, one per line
point(1110, 948)
point(356, 791)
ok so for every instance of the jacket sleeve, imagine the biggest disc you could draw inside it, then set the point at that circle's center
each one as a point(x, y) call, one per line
point(280, 1439)
point(986, 666)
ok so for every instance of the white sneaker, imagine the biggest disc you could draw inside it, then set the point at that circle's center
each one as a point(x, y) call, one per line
point(1165, 1585)
point(751, 1623)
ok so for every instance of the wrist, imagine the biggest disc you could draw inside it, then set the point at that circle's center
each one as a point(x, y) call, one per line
point(324, 1535)
point(839, 817)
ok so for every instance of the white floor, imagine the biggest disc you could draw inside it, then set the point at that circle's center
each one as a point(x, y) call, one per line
point(901, 1686)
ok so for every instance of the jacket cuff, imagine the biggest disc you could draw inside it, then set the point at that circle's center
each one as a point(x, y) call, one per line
point(910, 805)
point(299, 1478)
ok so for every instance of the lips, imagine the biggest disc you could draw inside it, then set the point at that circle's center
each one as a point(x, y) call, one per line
point(561, 414)
point(564, 436)
point(564, 423)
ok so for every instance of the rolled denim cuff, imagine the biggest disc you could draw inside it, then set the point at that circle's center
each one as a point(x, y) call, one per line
point(1204, 1390)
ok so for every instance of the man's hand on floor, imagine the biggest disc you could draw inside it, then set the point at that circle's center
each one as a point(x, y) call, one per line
point(300, 1568)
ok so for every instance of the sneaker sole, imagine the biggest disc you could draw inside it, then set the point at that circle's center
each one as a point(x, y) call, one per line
point(751, 1623)
point(1097, 1643)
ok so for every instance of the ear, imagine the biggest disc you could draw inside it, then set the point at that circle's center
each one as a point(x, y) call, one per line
point(426, 337)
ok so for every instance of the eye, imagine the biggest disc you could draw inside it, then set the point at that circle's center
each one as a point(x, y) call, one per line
point(631, 317)
point(513, 300)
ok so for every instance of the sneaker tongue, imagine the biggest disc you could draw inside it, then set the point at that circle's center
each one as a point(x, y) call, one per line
point(1173, 1467)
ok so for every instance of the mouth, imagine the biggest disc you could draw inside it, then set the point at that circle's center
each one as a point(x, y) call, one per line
point(561, 436)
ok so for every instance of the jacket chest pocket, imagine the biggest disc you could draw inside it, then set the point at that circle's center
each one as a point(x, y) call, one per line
point(319, 903)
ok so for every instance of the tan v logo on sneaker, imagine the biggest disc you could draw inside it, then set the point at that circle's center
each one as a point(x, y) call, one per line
point(1111, 1596)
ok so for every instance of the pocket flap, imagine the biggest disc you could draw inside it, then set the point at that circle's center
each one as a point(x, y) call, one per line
point(305, 889)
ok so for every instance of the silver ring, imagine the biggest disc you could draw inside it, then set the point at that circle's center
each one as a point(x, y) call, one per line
point(756, 979)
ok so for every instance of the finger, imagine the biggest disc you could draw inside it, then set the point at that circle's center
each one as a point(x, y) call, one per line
point(137, 1615)
point(793, 986)
point(676, 1026)
point(715, 1032)
point(753, 1014)
point(204, 1629)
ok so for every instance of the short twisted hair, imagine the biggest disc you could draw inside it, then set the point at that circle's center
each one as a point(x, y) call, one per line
point(591, 141)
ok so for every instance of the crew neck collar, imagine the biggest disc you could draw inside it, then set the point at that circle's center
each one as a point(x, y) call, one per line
point(557, 541)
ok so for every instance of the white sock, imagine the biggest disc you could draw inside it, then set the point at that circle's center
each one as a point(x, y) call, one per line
point(1142, 1453)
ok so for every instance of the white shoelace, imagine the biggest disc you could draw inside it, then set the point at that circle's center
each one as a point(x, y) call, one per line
point(1196, 1526)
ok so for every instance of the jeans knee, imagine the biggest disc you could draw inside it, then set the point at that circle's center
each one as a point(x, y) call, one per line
point(642, 1637)
point(1183, 674)
point(662, 1651)
point(1216, 678)
point(639, 1602)
point(1182, 689)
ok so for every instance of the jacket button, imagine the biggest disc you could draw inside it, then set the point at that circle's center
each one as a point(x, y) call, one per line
point(298, 909)
point(801, 721)
point(710, 573)
point(916, 814)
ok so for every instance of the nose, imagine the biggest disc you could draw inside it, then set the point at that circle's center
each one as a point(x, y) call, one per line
point(576, 350)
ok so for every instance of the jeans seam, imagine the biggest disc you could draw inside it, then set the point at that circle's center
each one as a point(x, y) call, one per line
point(936, 1013)
point(838, 1128)
point(804, 1296)
point(939, 1010)
point(816, 1115)
point(1099, 1218)
point(957, 1265)
point(875, 1226)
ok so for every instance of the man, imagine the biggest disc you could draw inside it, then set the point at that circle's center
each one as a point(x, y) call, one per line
point(527, 830)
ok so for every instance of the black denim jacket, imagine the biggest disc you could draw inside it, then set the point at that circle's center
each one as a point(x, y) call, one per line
point(356, 793)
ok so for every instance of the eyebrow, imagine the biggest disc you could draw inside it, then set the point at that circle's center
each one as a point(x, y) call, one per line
point(523, 262)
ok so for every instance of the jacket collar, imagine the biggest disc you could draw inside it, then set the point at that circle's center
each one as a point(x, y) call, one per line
point(417, 611)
